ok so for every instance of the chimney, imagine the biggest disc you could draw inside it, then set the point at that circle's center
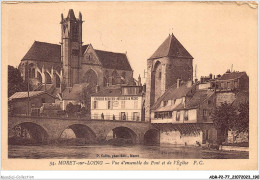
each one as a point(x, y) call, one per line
point(201, 79)
point(210, 76)
point(178, 83)
point(139, 81)
point(196, 80)
point(189, 84)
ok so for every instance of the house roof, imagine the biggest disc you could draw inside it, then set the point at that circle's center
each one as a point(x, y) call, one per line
point(114, 91)
point(198, 98)
point(112, 60)
point(232, 75)
point(110, 91)
point(47, 52)
point(174, 93)
point(42, 51)
point(171, 47)
point(21, 95)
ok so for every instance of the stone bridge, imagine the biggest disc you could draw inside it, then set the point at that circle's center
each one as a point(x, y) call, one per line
point(52, 128)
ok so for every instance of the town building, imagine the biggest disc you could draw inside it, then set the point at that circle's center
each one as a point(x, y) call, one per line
point(125, 103)
point(229, 86)
point(18, 102)
point(232, 88)
point(61, 66)
point(231, 81)
point(171, 61)
point(183, 114)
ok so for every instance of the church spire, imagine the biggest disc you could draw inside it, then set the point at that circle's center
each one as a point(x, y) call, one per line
point(71, 14)
point(71, 47)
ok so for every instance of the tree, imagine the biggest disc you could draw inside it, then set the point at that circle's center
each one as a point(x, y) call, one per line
point(224, 118)
point(70, 109)
point(242, 123)
point(15, 81)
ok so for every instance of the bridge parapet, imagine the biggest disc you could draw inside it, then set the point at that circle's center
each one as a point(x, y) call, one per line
point(55, 126)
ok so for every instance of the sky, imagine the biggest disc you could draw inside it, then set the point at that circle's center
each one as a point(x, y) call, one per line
point(216, 34)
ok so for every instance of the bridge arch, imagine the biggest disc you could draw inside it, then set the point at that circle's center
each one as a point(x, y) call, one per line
point(122, 132)
point(30, 130)
point(80, 131)
point(152, 137)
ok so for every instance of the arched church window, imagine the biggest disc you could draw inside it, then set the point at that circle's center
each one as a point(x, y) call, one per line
point(91, 78)
point(30, 73)
point(33, 73)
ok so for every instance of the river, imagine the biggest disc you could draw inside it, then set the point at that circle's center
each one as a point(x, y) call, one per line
point(108, 151)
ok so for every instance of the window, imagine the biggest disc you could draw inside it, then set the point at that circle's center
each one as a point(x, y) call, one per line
point(164, 103)
point(209, 102)
point(122, 104)
point(109, 105)
point(186, 117)
point(236, 84)
point(204, 112)
point(33, 73)
point(222, 85)
point(123, 116)
point(95, 105)
point(135, 104)
point(228, 85)
point(178, 116)
point(156, 115)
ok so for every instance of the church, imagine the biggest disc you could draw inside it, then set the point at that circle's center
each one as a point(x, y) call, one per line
point(56, 68)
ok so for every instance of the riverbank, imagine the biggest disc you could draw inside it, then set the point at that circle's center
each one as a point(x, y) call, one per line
point(129, 151)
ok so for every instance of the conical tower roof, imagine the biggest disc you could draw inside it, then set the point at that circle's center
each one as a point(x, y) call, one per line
point(171, 47)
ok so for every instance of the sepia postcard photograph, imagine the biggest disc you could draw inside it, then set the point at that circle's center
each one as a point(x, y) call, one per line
point(129, 86)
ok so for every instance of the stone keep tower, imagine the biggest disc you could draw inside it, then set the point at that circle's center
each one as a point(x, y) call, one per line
point(71, 47)
point(171, 61)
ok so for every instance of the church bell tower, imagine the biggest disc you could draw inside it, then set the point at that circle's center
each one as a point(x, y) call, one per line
point(170, 62)
point(71, 47)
